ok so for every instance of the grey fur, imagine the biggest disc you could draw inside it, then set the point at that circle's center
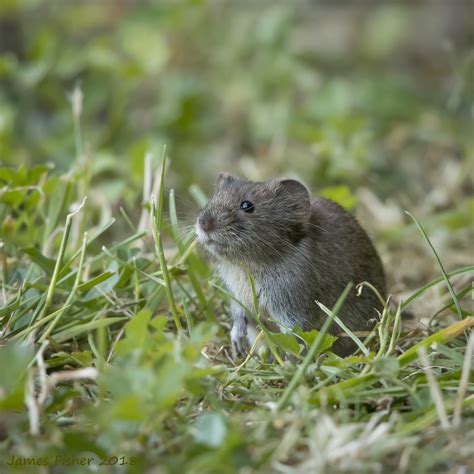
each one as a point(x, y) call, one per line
point(298, 251)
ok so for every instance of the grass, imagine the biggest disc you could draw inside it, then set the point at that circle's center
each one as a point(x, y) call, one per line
point(114, 331)
point(120, 352)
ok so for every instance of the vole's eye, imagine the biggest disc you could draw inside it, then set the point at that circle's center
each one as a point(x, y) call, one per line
point(247, 206)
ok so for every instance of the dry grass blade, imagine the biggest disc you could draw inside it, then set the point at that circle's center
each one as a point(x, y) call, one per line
point(435, 390)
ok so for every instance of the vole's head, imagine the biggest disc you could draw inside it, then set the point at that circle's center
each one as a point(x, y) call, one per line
point(246, 222)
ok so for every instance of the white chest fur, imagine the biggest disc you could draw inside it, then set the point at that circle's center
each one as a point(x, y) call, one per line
point(271, 285)
point(237, 282)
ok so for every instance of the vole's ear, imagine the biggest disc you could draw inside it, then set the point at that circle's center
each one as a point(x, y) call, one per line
point(293, 188)
point(224, 179)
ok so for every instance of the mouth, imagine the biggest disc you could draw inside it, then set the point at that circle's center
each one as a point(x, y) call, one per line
point(202, 236)
point(212, 244)
point(207, 240)
point(215, 248)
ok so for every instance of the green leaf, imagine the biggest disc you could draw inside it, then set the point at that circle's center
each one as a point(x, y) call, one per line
point(171, 376)
point(310, 336)
point(45, 263)
point(210, 429)
point(286, 342)
point(7, 175)
point(14, 362)
point(23, 176)
point(62, 358)
point(105, 286)
point(84, 358)
point(13, 197)
point(387, 367)
point(136, 333)
point(127, 409)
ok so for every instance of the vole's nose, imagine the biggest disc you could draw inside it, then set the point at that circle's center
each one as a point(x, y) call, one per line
point(207, 222)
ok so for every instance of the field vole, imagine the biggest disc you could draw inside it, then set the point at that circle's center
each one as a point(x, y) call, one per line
point(298, 251)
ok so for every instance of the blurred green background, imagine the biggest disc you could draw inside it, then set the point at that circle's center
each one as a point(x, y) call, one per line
point(368, 102)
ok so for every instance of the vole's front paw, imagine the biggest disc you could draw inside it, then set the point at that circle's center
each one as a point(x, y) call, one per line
point(238, 337)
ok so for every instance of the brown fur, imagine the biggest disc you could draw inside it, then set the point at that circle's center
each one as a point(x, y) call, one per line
point(298, 251)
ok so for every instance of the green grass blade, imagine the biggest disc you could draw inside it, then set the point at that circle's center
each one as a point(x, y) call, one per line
point(156, 224)
point(312, 350)
point(79, 329)
point(443, 271)
point(420, 291)
point(343, 389)
point(339, 322)
point(59, 260)
point(72, 294)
